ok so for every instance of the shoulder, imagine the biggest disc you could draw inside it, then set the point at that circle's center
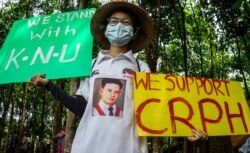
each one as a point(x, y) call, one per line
point(143, 65)
point(94, 60)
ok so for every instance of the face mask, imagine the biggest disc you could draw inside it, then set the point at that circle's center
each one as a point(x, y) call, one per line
point(119, 34)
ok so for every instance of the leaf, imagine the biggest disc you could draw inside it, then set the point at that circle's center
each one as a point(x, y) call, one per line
point(246, 6)
point(237, 4)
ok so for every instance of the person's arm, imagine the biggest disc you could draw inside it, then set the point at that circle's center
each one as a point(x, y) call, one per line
point(75, 104)
point(238, 140)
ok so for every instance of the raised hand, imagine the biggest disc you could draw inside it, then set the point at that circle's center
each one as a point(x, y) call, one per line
point(38, 80)
point(197, 135)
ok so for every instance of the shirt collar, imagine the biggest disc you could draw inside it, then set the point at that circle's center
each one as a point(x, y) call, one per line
point(103, 55)
point(103, 105)
point(130, 56)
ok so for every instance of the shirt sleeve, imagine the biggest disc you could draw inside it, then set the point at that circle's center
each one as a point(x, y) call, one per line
point(76, 104)
point(83, 89)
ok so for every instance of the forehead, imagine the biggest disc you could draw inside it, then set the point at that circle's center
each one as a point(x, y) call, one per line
point(120, 14)
point(111, 86)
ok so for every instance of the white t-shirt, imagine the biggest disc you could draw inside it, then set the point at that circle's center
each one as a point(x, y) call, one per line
point(106, 134)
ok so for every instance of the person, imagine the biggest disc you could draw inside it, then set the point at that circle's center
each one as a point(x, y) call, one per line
point(121, 29)
point(110, 92)
point(12, 142)
point(60, 137)
point(241, 143)
point(24, 145)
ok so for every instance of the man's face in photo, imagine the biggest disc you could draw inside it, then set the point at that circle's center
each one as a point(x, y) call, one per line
point(110, 93)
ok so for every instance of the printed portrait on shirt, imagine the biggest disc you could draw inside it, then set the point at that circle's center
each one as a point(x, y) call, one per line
point(108, 97)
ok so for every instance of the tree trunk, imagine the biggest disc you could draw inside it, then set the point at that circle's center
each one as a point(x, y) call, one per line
point(57, 114)
point(183, 38)
point(239, 61)
point(42, 124)
point(6, 104)
point(245, 42)
point(71, 119)
point(211, 53)
point(70, 129)
point(198, 35)
point(155, 145)
point(219, 144)
point(23, 108)
point(83, 4)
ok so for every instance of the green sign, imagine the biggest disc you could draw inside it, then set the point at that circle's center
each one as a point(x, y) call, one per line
point(58, 45)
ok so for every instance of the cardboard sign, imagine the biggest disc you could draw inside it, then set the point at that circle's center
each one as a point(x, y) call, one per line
point(58, 45)
point(168, 105)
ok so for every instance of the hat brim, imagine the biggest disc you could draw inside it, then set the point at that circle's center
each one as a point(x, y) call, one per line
point(144, 35)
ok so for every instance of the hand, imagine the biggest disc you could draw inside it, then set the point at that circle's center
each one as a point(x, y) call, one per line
point(197, 135)
point(38, 80)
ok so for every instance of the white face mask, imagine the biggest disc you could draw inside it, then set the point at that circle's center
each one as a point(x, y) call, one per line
point(119, 34)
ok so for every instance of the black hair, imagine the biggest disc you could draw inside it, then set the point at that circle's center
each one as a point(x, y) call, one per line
point(110, 80)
